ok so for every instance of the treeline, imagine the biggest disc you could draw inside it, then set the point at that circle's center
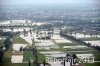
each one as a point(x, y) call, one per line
point(5, 47)
point(10, 34)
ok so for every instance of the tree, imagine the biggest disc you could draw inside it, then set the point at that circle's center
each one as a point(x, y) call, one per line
point(96, 34)
point(75, 34)
point(44, 63)
point(74, 58)
point(25, 32)
point(36, 58)
point(30, 31)
point(1, 54)
point(91, 34)
point(7, 43)
point(68, 57)
point(21, 48)
point(71, 33)
point(12, 28)
point(84, 33)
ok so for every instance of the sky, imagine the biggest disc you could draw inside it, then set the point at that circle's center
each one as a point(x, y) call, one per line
point(50, 2)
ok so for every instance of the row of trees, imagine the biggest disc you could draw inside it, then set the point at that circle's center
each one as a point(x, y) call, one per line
point(79, 40)
point(4, 48)
point(6, 33)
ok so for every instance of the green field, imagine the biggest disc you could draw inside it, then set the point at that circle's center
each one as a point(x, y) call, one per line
point(4, 20)
point(51, 49)
point(7, 56)
point(13, 64)
point(90, 39)
point(28, 55)
point(1, 42)
point(19, 40)
point(87, 50)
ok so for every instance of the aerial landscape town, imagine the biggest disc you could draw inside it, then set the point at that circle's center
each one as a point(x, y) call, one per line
point(50, 35)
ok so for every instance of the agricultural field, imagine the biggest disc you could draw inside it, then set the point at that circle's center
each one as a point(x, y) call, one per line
point(80, 48)
point(35, 46)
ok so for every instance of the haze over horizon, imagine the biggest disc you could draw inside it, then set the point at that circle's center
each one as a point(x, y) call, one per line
point(49, 2)
point(32, 9)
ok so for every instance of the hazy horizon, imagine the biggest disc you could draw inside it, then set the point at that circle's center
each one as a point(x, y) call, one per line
point(49, 2)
